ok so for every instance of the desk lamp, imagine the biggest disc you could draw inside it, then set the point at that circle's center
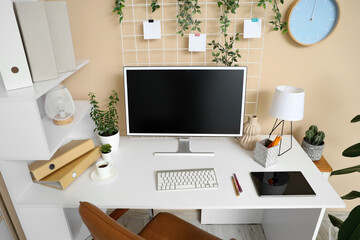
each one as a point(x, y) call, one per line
point(287, 105)
point(59, 105)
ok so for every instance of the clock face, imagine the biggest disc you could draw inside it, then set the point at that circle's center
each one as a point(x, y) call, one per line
point(311, 21)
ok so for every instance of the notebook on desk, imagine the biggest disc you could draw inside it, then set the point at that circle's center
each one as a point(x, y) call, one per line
point(281, 184)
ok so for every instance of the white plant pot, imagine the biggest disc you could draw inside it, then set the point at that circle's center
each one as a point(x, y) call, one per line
point(112, 140)
point(106, 156)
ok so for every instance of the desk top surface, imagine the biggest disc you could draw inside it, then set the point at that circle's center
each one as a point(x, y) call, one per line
point(135, 183)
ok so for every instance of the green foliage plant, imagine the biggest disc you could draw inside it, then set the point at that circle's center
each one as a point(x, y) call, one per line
point(106, 121)
point(350, 228)
point(225, 53)
point(187, 11)
point(154, 5)
point(277, 23)
point(119, 5)
point(106, 148)
point(227, 6)
point(313, 136)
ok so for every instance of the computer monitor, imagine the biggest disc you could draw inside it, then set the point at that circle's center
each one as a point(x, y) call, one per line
point(185, 101)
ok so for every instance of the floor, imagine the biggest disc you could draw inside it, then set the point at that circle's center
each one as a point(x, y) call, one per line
point(135, 220)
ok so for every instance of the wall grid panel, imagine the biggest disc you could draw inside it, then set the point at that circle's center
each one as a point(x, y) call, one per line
point(172, 49)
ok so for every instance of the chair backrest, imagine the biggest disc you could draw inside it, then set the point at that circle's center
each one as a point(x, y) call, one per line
point(101, 226)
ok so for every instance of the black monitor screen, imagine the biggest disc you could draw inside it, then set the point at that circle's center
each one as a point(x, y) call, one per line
point(185, 101)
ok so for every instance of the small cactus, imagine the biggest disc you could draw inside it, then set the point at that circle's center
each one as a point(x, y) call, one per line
point(309, 134)
point(314, 128)
point(313, 136)
point(318, 138)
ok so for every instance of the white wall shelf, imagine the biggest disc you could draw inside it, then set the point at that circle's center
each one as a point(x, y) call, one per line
point(28, 133)
point(57, 134)
point(39, 88)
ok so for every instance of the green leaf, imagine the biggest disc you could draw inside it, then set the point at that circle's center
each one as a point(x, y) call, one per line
point(352, 151)
point(284, 31)
point(351, 195)
point(346, 170)
point(356, 119)
point(350, 229)
point(336, 222)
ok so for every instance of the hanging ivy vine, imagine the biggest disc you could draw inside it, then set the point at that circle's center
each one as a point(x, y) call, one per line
point(187, 11)
point(277, 23)
point(226, 54)
point(188, 8)
point(154, 5)
point(119, 5)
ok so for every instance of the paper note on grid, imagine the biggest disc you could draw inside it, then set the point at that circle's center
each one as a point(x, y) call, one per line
point(197, 42)
point(252, 29)
point(152, 30)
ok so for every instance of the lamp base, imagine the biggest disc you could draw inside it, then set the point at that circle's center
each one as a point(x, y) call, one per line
point(63, 122)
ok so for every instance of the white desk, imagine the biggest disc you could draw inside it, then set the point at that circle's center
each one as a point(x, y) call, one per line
point(40, 208)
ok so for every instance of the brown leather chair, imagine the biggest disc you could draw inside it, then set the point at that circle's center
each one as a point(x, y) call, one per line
point(164, 226)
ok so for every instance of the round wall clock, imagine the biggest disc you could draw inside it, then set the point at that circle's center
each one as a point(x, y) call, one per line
point(311, 21)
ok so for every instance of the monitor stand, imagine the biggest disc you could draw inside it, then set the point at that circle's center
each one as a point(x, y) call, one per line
point(184, 150)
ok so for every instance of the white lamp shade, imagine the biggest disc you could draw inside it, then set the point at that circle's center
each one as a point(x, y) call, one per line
point(288, 103)
point(59, 104)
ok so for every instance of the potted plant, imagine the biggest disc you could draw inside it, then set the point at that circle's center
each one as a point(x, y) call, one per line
point(350, 228)
point(106, 152)
point(313, 143)
point(106, 120)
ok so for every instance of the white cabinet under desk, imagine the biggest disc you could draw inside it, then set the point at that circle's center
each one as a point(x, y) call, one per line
point(134, 187)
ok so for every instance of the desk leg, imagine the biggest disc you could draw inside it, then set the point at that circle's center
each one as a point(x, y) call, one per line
point(294, 224)
point(151, 213)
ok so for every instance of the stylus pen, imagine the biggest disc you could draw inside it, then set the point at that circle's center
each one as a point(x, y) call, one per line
point(237, 184)
point(236, 189)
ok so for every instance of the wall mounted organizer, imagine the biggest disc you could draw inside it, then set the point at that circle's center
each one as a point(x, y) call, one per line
point(173, 50)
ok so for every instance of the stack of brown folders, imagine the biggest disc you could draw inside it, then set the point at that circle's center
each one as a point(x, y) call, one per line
point(66, 165)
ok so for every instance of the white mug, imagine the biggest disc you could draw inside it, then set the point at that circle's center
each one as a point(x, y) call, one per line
point(103, 168)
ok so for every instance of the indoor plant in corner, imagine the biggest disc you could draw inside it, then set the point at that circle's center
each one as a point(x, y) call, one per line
point(350, 228)
point(313, 143)
point(106, 120)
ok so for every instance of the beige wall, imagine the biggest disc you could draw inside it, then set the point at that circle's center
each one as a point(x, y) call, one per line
point(328, 72)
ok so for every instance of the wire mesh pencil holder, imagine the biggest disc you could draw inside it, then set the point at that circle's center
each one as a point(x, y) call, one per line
point(265, 156)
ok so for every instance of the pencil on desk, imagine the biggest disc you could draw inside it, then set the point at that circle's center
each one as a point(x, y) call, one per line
point(238, 184)
point(235, 187)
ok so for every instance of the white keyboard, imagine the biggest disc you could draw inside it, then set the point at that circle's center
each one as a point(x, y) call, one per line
point(186, 179)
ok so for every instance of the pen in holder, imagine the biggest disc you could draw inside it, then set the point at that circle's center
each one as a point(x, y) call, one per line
point(266, 156)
